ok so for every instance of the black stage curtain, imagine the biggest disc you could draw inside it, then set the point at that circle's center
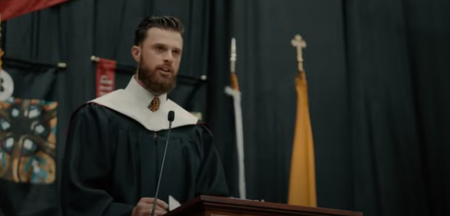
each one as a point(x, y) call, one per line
point(398, 78)
point(377, 75)
point(266, 67)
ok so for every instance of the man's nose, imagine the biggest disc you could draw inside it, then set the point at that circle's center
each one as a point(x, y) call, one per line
point(168, 56)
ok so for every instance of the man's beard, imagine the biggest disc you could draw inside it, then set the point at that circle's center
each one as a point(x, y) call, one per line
point(154, 83)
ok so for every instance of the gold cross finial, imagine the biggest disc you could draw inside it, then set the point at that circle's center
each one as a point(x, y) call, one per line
point(300, 44)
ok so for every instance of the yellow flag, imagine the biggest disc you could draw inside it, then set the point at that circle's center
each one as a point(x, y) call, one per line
point(302, 185)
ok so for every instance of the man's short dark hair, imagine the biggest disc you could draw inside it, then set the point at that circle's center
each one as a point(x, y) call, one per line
point(163, 22)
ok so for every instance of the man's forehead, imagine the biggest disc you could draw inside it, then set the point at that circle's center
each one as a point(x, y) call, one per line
point(164, 36)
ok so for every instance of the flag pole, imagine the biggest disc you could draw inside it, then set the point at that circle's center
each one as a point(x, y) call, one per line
point(233, 90)
point(302, 180)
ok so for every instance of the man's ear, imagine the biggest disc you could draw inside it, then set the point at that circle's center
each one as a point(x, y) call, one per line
point(136, 53)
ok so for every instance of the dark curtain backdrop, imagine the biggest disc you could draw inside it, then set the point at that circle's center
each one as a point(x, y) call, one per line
point(398, 68)
point(377, 70)
point(266, 68)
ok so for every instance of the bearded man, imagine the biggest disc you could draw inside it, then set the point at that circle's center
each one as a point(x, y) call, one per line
point(116, 143)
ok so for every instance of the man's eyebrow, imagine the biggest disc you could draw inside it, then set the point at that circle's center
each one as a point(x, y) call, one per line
point(159, 44)
point(165, 46)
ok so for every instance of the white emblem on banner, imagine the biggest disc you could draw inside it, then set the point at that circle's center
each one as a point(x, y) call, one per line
point(7, 88)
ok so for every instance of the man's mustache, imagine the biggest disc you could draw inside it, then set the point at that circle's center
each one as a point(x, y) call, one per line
point(166, 68)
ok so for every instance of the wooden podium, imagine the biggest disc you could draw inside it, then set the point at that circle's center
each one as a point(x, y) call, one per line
point(221, 206)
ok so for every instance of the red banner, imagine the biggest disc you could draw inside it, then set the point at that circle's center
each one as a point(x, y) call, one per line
point(106, 70)
point(13, 8)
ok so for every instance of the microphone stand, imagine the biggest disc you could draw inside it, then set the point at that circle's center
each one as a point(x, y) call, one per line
point(170, 117)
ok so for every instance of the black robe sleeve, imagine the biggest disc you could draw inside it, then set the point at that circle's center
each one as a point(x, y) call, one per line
point(211, 178)
point(87, 167)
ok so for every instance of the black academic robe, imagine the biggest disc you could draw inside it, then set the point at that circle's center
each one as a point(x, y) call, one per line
point(111, 161)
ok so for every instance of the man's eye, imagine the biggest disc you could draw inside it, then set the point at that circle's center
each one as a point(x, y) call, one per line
point(160, 48)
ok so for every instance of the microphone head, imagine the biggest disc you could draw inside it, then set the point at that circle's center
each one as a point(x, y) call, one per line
point(171, 115)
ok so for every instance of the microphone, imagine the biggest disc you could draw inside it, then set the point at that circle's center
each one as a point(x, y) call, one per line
point(170, 118)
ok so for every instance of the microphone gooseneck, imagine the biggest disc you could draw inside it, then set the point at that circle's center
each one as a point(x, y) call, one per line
point(170, 118)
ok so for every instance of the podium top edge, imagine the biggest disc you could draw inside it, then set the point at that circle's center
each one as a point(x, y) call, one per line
point(228, 203)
